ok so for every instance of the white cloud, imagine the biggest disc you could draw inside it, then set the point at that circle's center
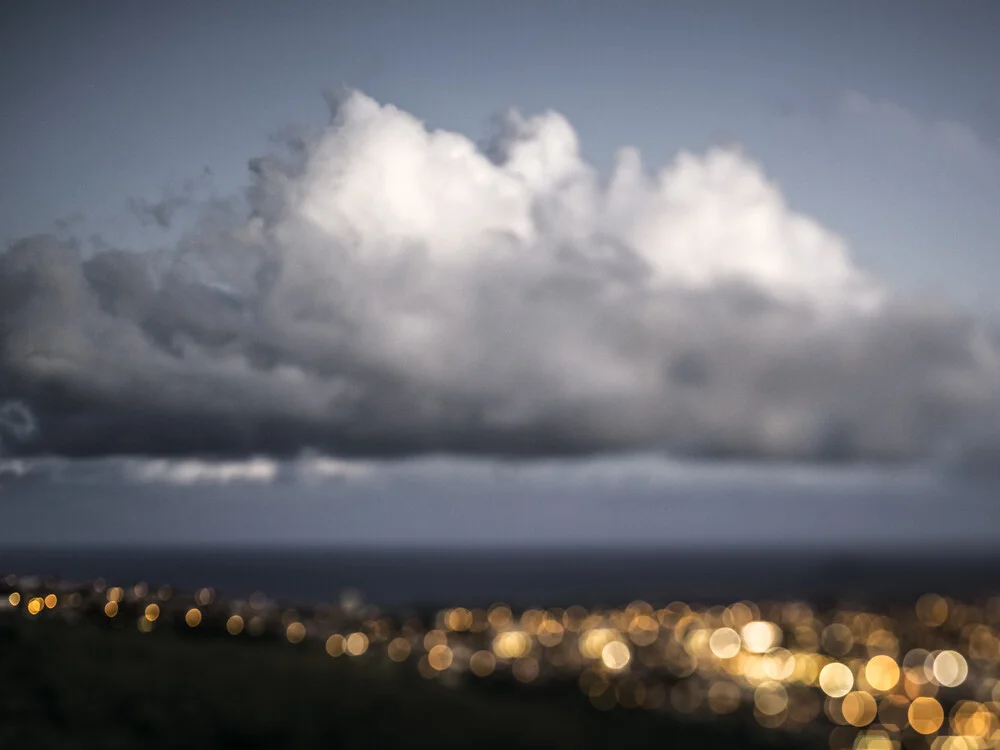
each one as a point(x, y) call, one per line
point(950, 135)
point(307, 469)
point(202, 472)
point(392, 290)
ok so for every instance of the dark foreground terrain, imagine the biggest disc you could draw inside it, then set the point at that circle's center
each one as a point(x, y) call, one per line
point(90, 685)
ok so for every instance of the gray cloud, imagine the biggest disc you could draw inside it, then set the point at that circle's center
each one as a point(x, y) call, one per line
point(949, 135)
point(175, 199)
point(386, 291)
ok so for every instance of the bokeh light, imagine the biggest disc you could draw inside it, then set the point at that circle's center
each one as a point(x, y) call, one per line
point(950, 668)
point(398, 649)
point(356, 644)
point(925, 715)
point(882, 673)
point(836, 679)
point(336, 645)
point(725, 643)
point(874, 679)
point(440, 658)
point(482, 663)
point(295, 632)
point(616, 655)
point(760, 636)
point(859, 708)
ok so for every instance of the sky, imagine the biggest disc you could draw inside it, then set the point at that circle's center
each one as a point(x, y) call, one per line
point(881, 120)
point(762, 232)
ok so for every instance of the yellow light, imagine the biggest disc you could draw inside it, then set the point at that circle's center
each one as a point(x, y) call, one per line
point(336, 645)
point(115, 594)
point(882, 673)
point(916, 686)
point(531, 619)
point(973, 719)
point(738, 615)
point(592, 642)
point(425, 670)
point(760, 636)
point(723, 697)
point(804, 708)
point(686, 696)
point(926, 715)
point(859, 708)
point(440, 658)
point(152, 612)
point(836, 679)
point(193, 617)
point(111, 608)
point(144, 625)
point(35, 605)
point(50, 601)
point(882, 642)
point(550, 633)
point(399, 649)
point(459, 619)
point(770, 698)
point(932, 610)
point(234, 625)
point(525, 670)
point(616, 655)
point(482, 663)
point(950, 668)
point(499, 616)
point(573, 617)
point(725, 643)
point(435, 638)
point(955, 743)
point(643, 630)
point(357, 644)
point(512, 644)
point(837, 639)
point(874, 740)
point(779, 664)
point(915, 665)
point(295, 632)
point(14, 598)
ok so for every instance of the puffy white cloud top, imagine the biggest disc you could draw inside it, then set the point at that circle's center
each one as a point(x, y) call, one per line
point(387, 290)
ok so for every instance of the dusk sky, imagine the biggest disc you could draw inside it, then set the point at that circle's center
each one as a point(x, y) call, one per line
point(288, 246)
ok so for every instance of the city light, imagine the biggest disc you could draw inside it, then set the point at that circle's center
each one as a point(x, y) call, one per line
point(931, 670)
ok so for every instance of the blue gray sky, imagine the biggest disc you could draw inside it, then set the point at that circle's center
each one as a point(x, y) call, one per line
point(881, 120)
point(760, 232)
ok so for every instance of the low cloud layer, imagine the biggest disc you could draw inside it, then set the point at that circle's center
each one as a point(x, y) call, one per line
point(382, 290)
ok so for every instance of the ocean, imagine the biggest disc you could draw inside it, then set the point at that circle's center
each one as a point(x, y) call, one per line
point(398, 578)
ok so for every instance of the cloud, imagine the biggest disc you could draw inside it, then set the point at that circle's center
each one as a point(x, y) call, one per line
point(630, 472)
point(305, 469)
point(17, 423)
point(386, 290)
point(949, 135)
point(163, 211)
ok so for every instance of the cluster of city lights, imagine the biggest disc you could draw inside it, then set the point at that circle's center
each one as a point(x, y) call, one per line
point(916, 677)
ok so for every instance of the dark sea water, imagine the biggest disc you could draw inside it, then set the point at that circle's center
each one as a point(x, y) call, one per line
point(395, 578)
